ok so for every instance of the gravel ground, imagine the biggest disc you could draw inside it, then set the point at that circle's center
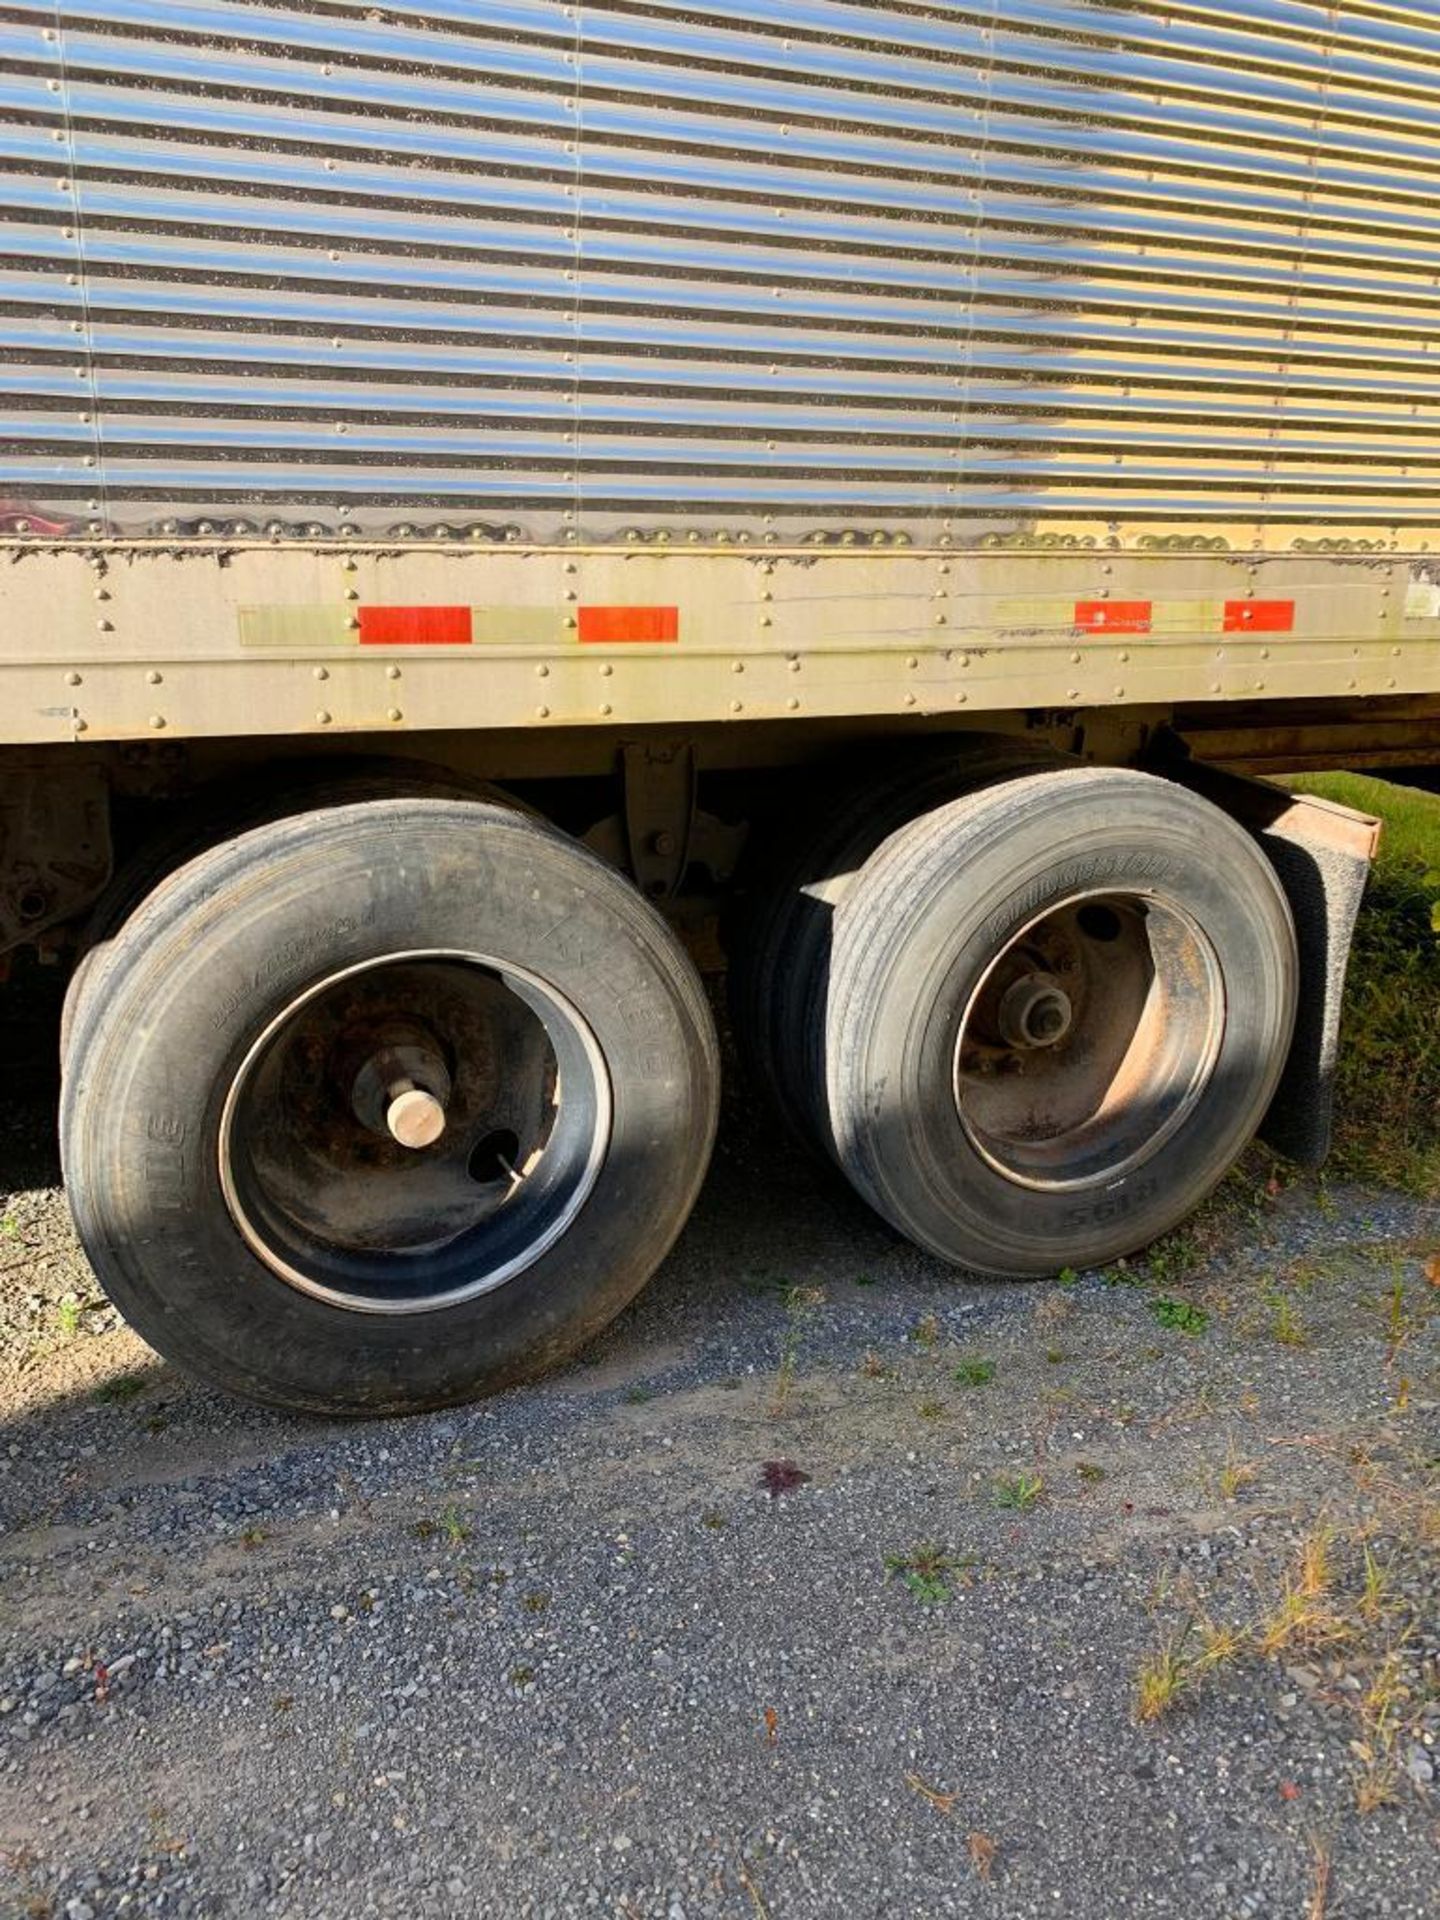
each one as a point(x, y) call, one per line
point(628, 1644)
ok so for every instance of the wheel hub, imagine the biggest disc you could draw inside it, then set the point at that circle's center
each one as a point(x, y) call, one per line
point(414, 1132)
point(1088, 1041)
point(1035, 1012)
point(401, 1086)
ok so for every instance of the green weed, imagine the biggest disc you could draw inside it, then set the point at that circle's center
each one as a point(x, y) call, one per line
point(926, 1571)
point(1180, 1316)
point(1017, 1491)
point(975, 1373)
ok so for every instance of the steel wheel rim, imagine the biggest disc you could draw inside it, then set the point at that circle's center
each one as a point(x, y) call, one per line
point(1089, 1040)
point(412, 1237)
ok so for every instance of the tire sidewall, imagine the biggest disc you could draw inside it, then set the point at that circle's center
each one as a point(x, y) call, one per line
point(237, 938)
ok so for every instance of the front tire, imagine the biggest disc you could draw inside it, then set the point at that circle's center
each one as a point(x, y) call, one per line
point(255, 1081)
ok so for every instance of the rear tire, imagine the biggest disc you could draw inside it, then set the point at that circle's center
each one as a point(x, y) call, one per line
point(1057, 1012)
point(224, 1119)
point(779, 972)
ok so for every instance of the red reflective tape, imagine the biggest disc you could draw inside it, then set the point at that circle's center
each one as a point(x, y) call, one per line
point(415, 626)
point(1259, 616)
point(1113, 616)
point(617, 626)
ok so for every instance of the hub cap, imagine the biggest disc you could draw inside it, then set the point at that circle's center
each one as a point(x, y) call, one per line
point(414, 1132)
point(1089, 1041)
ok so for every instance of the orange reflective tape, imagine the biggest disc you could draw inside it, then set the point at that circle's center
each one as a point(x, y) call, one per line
point(1259, 616)
point(415, 627)
point(618, 626)
point(1113, 616)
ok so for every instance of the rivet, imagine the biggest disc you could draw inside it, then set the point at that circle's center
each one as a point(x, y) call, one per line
point(766, 621)
point(1072, 693)
point(542, 673)
point(1124, 659)
point(737, 666)
point(606, 671)
point(1119, 693)
point(606, 707)
point(353, 623)
point(542, 713)
point(154, 676)
point(912, 661)
point(736, 706)
point(394, 713)
point(909, 699)
point(940, 619)
point(1075, 659)
point(322, 717)
point(793, 664)
point(74, 680)
point(157, 720)
point(792, 703)
point(81, 725)
point(352, 593)
point(322, 673)
point(105, 626)
point(392, 673)
point(962, 698)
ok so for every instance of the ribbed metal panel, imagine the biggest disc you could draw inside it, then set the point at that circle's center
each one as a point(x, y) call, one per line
point(538, 268)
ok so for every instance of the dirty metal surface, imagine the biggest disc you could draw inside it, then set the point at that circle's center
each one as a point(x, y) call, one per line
point(135, 640)
point(516, 271)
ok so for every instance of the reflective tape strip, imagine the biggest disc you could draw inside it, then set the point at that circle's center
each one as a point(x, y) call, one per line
point(415, 627)
point(1113, 616)
point(617, 626)
point(1259, 616)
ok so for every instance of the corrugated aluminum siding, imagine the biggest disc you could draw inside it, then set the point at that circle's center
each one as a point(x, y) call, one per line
point(549, 267)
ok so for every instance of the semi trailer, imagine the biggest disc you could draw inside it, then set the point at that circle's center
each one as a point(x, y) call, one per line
point(503, 499)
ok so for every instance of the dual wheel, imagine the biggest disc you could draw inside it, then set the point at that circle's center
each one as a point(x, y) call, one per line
point(381, 1105)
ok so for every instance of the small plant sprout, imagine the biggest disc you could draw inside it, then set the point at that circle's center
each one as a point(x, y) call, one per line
point(67, 1317)
point(1179, 1316)
point(1017, 1491)
point(926, 1571)
point(800, 1304)
point(975, 1373)
point(1163, 1676)
point(1303, 1615)
point(1236, 1474)
point(453, 1527)
point(1220, 1643)
point(1375, 1600)
point(1286, 1324)
point(926, 1332)
point(931, 1409)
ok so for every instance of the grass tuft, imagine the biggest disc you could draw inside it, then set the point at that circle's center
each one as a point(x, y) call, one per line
point(1017, 1491)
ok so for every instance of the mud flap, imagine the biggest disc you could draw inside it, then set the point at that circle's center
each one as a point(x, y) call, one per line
point(1321, 853)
